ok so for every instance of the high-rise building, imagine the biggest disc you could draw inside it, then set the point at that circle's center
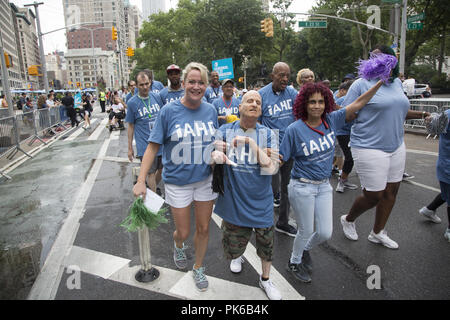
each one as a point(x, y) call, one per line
point(150, 7)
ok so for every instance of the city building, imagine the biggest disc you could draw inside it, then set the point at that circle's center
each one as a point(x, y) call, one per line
point(150, 7)
point(56, 70)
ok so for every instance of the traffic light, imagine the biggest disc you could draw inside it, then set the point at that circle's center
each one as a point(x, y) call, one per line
point(33, 70)
point(130, 52)
point(269, 27)
point(241, 79)
point(264, 25)
point(114, 33)
point(8, 60)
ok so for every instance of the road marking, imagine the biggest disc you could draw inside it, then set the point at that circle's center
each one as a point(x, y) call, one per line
point(115, 135)
point(74, 135)
point(98, 130)
point(423, 186)
point(47, 282)
point(429, 153)
point(118, 159)
point(287, 291)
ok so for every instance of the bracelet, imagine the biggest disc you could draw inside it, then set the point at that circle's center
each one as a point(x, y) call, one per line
point(423, 114)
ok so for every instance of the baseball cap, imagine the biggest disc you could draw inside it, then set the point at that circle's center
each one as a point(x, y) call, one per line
point(227, 80)
point(173, 67)
point(349, 76)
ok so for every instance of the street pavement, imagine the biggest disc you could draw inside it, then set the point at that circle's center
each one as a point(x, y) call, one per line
point(60, 236)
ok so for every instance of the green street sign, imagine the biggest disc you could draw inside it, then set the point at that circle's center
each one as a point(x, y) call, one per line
point(391, 1)
point(312, 24)
point(417, 17)
point(415, 26)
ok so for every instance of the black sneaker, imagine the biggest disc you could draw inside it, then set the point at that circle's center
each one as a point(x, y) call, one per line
point(287, 229)
point(299, 271)
point(276, 200)
point(306, 261)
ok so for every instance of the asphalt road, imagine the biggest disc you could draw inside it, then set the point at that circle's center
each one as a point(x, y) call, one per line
point(59, 231)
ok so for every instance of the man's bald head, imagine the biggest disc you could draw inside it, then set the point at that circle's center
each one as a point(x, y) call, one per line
point(280, 65)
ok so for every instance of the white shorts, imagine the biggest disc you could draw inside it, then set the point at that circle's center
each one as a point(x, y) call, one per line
point(182, 196)
point(376, 168)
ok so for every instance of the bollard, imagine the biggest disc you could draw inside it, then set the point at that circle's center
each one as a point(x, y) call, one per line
point(147, 273)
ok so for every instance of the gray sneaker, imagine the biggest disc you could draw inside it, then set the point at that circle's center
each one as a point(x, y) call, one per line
point(201, 282)
point(340, 186)
point(179, 257)
point(349, 185)
point(430, 215)
point(299, 271)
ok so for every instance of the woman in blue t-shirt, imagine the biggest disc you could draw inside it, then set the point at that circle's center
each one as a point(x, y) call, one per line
point(310, 142)
point(185, 128)
point(378, 151)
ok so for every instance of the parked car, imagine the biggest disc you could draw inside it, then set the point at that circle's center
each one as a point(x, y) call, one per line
point(421, 90)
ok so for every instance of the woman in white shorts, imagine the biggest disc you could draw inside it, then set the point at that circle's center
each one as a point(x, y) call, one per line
point(378, 151)
point(185, 128)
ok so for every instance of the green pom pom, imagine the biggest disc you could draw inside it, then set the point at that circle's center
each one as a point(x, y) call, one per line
point(140, 216)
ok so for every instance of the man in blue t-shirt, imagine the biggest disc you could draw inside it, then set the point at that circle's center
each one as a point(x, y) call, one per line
point(174, 91)
point(242, 206)
point(143, 109)
point(214, 90)
point(131, 87)
point(228, 104)
point(277, 100)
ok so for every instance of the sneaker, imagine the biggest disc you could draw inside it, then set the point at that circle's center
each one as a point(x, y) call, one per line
point(382, 238)
point(276, 200)
point(430, 215)
point(340, 186)
point(288, 229)
point(306, 261)
point(179, 257)
point(447, 234)
point(349, 185)
point(349, 228)
point(407, 176)
point(236, 265)
point(201, 282)
point(299, 271)
point(269, 289)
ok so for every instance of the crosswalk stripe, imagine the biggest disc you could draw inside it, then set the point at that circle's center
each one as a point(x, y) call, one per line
point(98, 130)
point(429, 153)
point(423, 185)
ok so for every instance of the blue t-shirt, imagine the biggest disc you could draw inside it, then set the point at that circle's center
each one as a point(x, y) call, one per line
point(186, 136)
point(312, 152)
point(142, 112)
point(379, 125)
point(213, 93)
point(345, 130)
point(128, 97)
point(230, 108)
point(168, 96)
point(443, 163)
point(248, 197)
point(277, 109)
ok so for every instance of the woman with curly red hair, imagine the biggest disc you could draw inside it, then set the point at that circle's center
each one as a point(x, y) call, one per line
point(310, 142)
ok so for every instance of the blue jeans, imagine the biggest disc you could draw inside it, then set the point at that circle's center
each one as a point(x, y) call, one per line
point(313, 206)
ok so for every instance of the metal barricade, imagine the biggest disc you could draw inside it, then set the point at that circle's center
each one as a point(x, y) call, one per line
point(420, 123)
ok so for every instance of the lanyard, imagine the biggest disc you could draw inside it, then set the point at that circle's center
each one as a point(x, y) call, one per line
point(216, 92)
point(225, 102)
point(146, 106)
point(318, 131)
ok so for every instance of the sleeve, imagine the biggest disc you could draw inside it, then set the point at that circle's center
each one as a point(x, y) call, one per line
point(287, 145)
point(158, 134)
point(337, 119)
point(130, 116)
point(159, 100)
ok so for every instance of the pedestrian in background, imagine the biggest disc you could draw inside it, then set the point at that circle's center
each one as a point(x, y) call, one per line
point(227, 105)
point(69, 103)
point(214, 90)
point(185, 129)
point(174, 91)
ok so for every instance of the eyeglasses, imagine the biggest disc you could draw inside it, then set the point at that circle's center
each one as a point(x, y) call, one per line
point(194, 82)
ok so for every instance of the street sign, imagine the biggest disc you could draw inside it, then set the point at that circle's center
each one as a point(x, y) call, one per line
point(415, 26)
point(417, 17)
point(312, 24)
point(224, 68)
point(391, 1)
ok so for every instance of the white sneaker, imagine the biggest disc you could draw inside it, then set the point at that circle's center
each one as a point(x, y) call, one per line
point(447, 234)
point(269, 288)
point(430, 215)
point(236, 265)
point(340, 186)
point(382, 238)
point(349, 228)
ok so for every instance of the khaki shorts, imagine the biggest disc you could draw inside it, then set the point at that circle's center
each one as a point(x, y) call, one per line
point(236, 238)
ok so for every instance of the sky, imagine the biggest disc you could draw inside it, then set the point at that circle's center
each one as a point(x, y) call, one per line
point(51, 15)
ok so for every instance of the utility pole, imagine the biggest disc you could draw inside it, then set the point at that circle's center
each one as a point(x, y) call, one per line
point(403, 38)
point(41, 43)
point(5, 78)
point(396, 24)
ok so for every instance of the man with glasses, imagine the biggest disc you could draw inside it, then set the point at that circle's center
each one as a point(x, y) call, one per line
point(227, 105)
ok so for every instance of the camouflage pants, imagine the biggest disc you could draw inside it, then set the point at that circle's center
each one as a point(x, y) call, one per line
point(235, 239)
